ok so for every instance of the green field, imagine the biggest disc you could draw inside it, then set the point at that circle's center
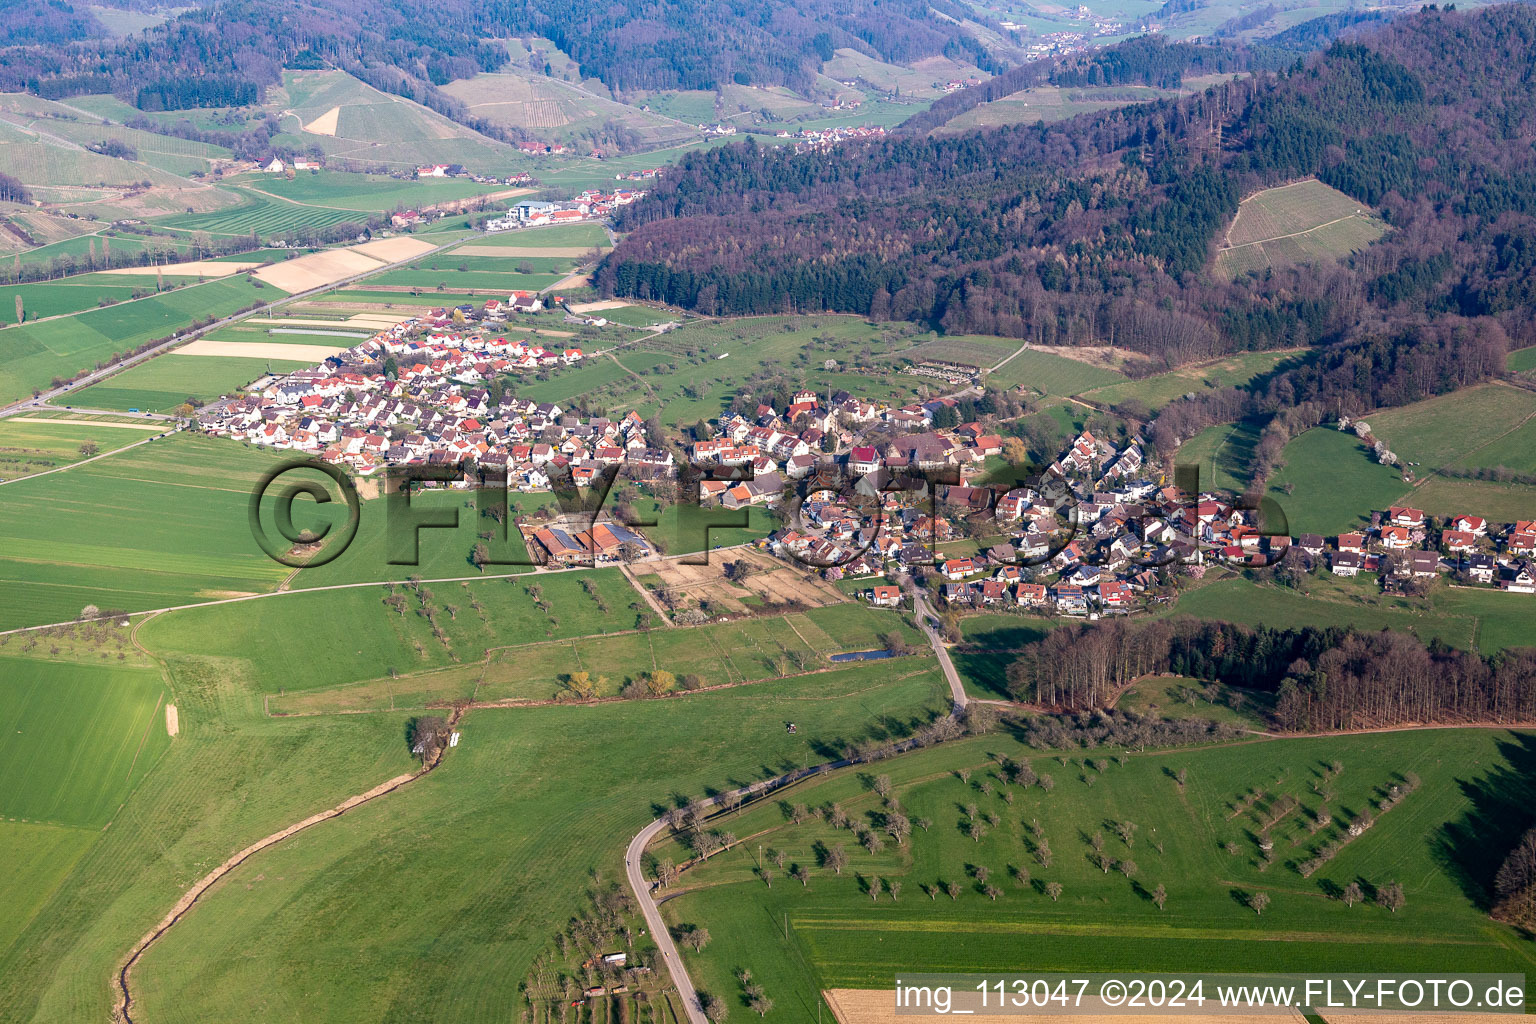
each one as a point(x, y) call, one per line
point(35, 353)
point(1304, 222)
point(1522, 360)
point(70, 295)
point(749, 651)
point(1053, 374)
point(228, 779)
point(78, 738)
point(1162, 388)
point(351, 634)
point(1442, 844)
point(1465, 617)
point(1435, 432)
point(1329, 483)
point(532, 806)
point(28, 447)
point(161, 525)
point(163, 383)
point(554, 236)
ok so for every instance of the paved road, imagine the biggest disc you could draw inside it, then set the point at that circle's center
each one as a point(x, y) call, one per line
point(634, 855)
point(634, 860)
point(924, 615)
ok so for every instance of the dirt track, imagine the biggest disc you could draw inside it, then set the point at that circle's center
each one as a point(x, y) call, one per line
point(125, 1000)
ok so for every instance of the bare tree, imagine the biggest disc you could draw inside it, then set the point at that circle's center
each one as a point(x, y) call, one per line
point(874, 888)
point(801, 875)
point(953, 889)
point(761, 1005)
point(1053, 890)
point(837, 859)
point(1391, 896)
point(1258, 901)
point(894, 888)
point(883, 785)
point(1160, 897)
point(1352, 894)
point(993, 892)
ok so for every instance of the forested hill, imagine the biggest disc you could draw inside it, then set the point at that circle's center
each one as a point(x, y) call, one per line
point(231, 49)
point(1099, 229)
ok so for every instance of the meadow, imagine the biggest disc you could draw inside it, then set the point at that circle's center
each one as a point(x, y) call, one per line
point(1329, 482)
point(1440, 431)
point(352, 634)
point(1522, 360)
point(230, 777)
point(32, 445)
point(38, 352)
point(79, 738)
point(528, 814)
point(1052, 374)
point(71, 295)
point(745, 651)
point(1442, 844)
point(1161, 388)
point(1484, 619)
point(161, 525)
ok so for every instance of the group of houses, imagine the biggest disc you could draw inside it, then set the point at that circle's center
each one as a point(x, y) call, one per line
point(813, 139)
point(1403, 543)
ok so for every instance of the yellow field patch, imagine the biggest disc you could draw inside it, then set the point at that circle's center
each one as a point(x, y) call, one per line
point(597, 307)
point(89, 423)
point(317, 270)
point(260, 350)
point(326, 123)
point(393, 250)
point(172, 720)
point(876, 1006)
point(196, 268)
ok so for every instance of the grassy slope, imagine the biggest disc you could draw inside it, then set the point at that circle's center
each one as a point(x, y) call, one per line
point(1432, 844)
point(505, 838)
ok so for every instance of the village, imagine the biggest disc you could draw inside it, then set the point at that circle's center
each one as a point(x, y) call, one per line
point(856, 488)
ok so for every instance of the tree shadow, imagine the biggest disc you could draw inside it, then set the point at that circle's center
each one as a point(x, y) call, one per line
point(1503, 807)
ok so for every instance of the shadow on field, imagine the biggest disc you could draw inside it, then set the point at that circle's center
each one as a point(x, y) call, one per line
point(1502, 800)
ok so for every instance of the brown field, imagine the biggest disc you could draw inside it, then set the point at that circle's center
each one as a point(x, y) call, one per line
point(316, 270)
point(773, 582)
point(260, 350)
point(326, 123)
point(573, 251)
point(595, 307)
point(196, 268)
point(1415, 1018)
point(577, 280)
point(874, 1006)
point(172, 720)
point(393, 250)
point(89, 423)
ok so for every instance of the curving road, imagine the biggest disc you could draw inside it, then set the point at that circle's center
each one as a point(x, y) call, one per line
point(634, 854)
